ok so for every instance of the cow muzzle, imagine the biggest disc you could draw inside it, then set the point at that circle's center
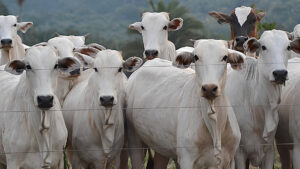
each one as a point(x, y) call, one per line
point(45, 102)
point(107, 101)
point(6, 43)
point(151, 54)
point(239, 42)
point(280, 76)
point(210, 91)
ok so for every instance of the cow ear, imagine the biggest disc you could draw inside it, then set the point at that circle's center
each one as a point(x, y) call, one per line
point(69, 66)
point(175, 24)
point(221, 17)
point(15, 67)
point(260, 16)
point(24, 26)
point(86, 60)
point(184, 59)
point(87, 50)
point(295, 45)
point(96, 46)
point(235, 58)
point(132, 64)
point(251, 45)
point(136, 26)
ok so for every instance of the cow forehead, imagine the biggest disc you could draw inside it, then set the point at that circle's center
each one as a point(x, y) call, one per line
point(108, 59)
point(76, 40)
point(242, 14)
point(40, 57)
point(10, 19)
point(276, 38)
point(157, 18)
point(64, 46)
point(211, 49)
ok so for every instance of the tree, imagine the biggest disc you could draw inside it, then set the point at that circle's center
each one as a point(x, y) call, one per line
point(191, 29)
point(20, 4)
point(3, 9)
point(263, 26)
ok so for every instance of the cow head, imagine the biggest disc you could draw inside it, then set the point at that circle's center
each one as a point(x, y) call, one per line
point(243, 23)
point(274, 48)
point(8, 30)
point(154, 29)
point(211, 58)
point(108, 76)
point(78, 41)
point(41, 64)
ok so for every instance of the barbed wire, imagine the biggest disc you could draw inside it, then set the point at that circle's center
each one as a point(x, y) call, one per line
point(143, 108)
point(135, 148)
point(158, 66)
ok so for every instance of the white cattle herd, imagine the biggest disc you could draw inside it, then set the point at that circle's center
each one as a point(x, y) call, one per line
point(237, 101)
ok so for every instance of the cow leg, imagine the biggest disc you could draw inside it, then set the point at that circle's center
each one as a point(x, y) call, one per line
point(284, 156)
point(296, 155)
point(240, 159)
point(116, 162)
point(76, 164)
point(135, 146)
point(268, 161)
point(185, 159)
point(124, 159)
point(160, 162)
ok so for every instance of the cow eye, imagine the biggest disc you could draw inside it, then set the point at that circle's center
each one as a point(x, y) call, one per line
point(28, 67)
point(96, 70)
point(15, 25)
point(225, 58)
point(289, 48)
point(196, 57)
point(165, 27)
point(142, 27)
point(120, 69)
point(264, 48)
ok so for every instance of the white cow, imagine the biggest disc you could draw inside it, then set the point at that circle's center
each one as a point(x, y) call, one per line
point(255, 95)
point(101, 98)
point(33, 132)
point(177, 112)
point(288, 126)
point(154, 28)
point(10, 43)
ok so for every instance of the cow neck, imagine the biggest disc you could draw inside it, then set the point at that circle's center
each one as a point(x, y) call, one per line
point(41, 121)
point(266, 98)
point(168, 52)
point(107, 121)
point(17, 52)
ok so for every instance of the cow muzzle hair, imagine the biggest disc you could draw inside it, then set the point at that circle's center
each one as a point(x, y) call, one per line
point(6, 43)
point(107, 101)
point(239, 42)
point(280, 76)
point(45, 102)
point(210, 91)
point(151, 54)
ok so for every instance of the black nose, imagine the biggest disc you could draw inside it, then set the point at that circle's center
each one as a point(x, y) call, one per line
point(45, 102)
point(210, 91)
point(151, 54)
point(280, 76)
point(107, 101)
point(7, 42)
point(240, 40)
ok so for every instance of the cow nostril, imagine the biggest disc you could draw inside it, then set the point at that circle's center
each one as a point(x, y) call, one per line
point(155, 53)
point(147, 53)
point(203, 89)
point(6, 41)
point(237, 39)
point(215, 89)
point(107, 100)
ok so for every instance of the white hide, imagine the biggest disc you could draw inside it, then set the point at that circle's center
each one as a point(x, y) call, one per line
point(288, 126)
point(167, 113)
point(242, 14)
point(96, 127)
point(32, 137)
point(255, 99)
point(155, 37)
point(8, 30)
